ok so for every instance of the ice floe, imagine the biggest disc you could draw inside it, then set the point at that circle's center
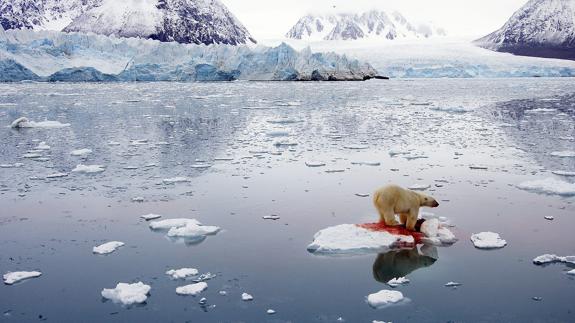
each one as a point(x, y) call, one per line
point(127, 294)
point(571, 272)
point(356, 146)
point(81, 152)
point(175, 180)
point(150, 216)
point(314, 163)
point(278, 133)
point(171, 223)
point(451, 109)
point(552, 258)
point(549, 186)
point(395, 282)
point(107, 247)
point(192, 231)
point(366, 163)
point(192, 289)
point(17, 276)
point(436, 232)
point(182, 273)
point(42, 146)
point(565, 153)
point(23, 122)
point(88, 169)
point(247, 297)
point(350, 238)
point(57, 175)
point(563, 173)
point(487, 240)
point(271, 217)
point(452, 284)
point(270, 312)
point(385, 298)
point(419, 187)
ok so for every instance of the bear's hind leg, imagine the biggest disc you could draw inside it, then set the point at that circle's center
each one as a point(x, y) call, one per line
point(389, 218)
point(403, 218)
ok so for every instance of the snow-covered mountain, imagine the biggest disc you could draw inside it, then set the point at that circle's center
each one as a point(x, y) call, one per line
point(350, 26)
point(42, 14)
point(184, 21)
point(544, 28)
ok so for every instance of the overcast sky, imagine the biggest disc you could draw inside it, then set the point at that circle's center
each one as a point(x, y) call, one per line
point(271, 19)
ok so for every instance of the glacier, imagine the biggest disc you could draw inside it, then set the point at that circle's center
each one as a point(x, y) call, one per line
point(53, 56)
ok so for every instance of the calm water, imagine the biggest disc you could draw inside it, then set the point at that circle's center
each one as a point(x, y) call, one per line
point(51, 225)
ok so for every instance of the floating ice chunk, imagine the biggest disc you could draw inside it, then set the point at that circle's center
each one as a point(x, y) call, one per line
point(453, 284)
point(138, 199)
point(193, 230)
point(314, 163)
point(541, 110)
point(172, 223)
point(139, 142)
point(127, 294)
point(32, 155)
point(271, 217)
point(565, 153)
point(398, 281)
point(563, 173)
point(351, 239)
point(17, 276)
point(366, 163)
point(42, 146)
point(278, 133)
point(192, 289)
point(174, 180)
point(182, 273)
point(436, 233)
point(478, 167)
point(283, 121)
point(247, 297)
point(487, 240)
point(81, 152)
point(356, 146)
point(335, 170)
point(23, 122)
point(200, 166)
point(571, 272)
point(270, 312)
point(551, 258)
point(204, 277)
point(430, 228)
point(285, 143)
point(88, 169)
point(398, 151)
point(385, 298)
point(113, 143)
point(376, 321)
point(107, 247)
point(223, 293)
point(11, 165)
point(419, 187)
point(549, 186)
point(150, 216)
point(57, 175)
point(452, 109)
point(549, 217)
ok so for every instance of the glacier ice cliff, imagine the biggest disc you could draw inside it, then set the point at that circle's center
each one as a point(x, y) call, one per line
point(76, 57)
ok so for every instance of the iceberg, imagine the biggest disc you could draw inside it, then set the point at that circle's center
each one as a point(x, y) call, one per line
point(53, 56)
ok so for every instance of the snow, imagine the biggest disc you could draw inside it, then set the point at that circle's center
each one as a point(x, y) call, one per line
point(550, 186)
point(150, 216)
point(192, 289)
point(23, 122)
point(385, 298)
point(107, 247)
point(436, 232)
point(565, 153)
point(81, 152)
point(395, 282)
point(192, 230)
point(17, 276)
point(350, 239)
point(487, 240)
point(182, 273)
point(247, 297)
point(172, 223)
point(127, 294)
point(88, 169)
point(551, 258)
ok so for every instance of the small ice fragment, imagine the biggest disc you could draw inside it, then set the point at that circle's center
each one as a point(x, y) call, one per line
point(366, 163)
point(453, 284)
point(247, 297)
point(271, 217)
point(278, 133)
point(193, 230)
point(42, 146)
point(174, 180)
point(549, 217)
point(314, 164)
point(127, 294)
point(150, 216)
point(138, 199)
point(113, 143)
point(335, 170)
point(487, 240)
point(81, 152)
point(398, 281)
point(139, 142)
point(549, 186)
point(362, 194)
point(23, 122)
point(17, 276)
point(478, 167)
point(384, 298)
point(171, 223)
point(270, 311)
point(356, 146)
point(430, 228)
point(419, 187)
point(563, 173)
point(565, 153)
point(203, 301)
point(458, 109)
point(223, 293)
point(192, 289)
point(88, 169)
point(204, 277)
point(182, 273)
point(200, 166)
point(32, 155)
point(107, 247)
point(57, 175)
point(551, 258)
point(537, 298)
point(571, 272)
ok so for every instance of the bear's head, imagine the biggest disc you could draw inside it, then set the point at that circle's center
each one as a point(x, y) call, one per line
point(426, 200)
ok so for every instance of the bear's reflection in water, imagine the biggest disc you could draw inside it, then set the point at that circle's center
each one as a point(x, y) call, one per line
point(400, 263)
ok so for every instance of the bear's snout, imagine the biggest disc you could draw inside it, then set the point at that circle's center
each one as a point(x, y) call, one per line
point(435, 204)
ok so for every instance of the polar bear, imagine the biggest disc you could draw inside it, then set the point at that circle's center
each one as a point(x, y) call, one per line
point(392, 199)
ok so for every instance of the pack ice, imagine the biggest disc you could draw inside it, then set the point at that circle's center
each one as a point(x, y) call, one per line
point(127, 294)
point(550, 186)
point(17, 276)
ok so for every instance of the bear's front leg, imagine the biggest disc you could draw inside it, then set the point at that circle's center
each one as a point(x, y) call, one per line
point(412, 219)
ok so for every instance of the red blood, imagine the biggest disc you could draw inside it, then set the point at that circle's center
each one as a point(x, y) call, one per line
point(395, 230)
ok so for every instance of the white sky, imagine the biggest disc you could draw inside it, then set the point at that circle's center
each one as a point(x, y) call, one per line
point(271, 19)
